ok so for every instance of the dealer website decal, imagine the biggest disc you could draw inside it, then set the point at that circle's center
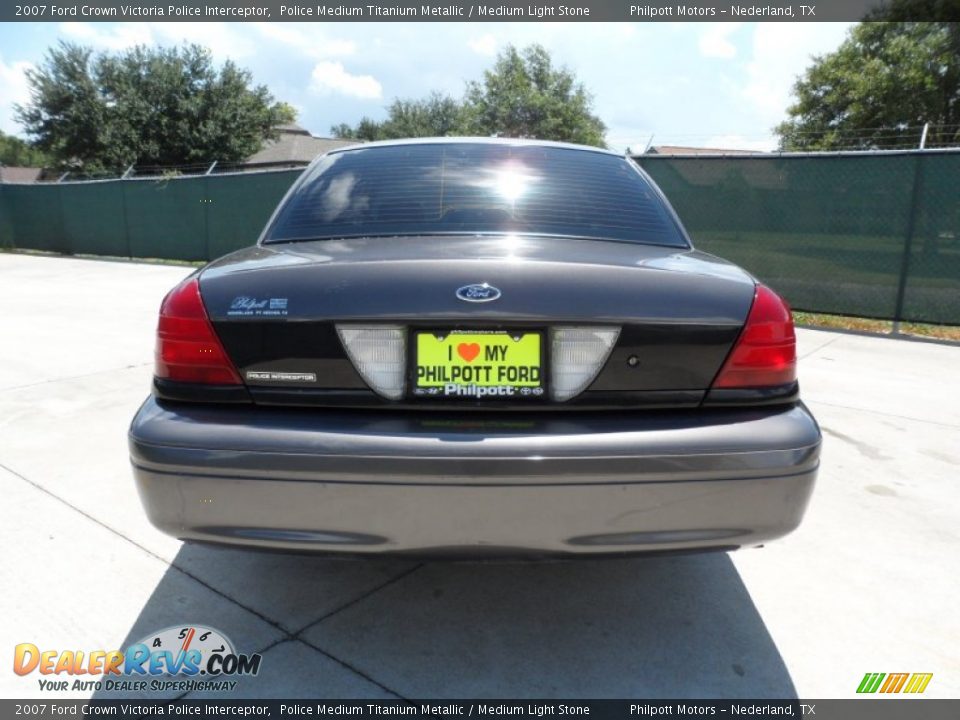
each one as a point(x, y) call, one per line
point(244, 306)
point(170, 659)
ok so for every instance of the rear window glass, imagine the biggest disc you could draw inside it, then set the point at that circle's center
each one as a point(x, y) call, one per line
point(475, 188)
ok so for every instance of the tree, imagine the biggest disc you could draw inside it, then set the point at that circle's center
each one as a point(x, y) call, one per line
point(16, 152)
point(523, 95)
point(146, 106)
point(886, 80)
point(437, 115)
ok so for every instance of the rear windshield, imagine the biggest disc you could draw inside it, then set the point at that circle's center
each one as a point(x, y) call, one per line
point(475, 188)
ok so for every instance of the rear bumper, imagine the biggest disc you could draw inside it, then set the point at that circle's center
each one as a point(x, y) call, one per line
point(474, 485)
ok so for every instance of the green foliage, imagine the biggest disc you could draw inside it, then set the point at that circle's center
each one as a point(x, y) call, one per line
point(523, 95)
point(434, 116)
point(146, 106)
point(286, 113)
point(15, 152)
point(885, 80)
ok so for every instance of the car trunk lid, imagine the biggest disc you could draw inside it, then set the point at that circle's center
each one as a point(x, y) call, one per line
point(277, 308)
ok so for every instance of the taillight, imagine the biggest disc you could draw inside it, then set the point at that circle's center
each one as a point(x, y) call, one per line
point(766, 352)
point(188, 350)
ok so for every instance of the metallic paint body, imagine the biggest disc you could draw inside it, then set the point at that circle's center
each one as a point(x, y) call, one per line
point(531, 484)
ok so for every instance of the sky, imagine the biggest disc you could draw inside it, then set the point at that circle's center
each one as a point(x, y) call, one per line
point(721, 85)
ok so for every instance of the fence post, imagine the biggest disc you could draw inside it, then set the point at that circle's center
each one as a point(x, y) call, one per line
point(908, 241)
point(67, 240)
point(121, 186)
point(206, 214)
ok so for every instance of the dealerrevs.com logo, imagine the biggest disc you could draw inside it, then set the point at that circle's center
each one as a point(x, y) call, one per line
point(181, 657)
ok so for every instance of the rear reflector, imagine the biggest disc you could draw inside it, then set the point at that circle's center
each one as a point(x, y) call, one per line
point(188, 350)
point(577, 354)
point(765, 354)
point(378, 352)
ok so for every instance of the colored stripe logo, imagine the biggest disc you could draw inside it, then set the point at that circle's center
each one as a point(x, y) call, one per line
point(918, 682)
point(894, 683)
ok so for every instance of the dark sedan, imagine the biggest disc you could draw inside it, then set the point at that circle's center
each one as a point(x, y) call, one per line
point(475, 348)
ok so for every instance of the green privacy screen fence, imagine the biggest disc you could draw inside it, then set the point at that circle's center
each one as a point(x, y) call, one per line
point(868, 234)
point(190, 218)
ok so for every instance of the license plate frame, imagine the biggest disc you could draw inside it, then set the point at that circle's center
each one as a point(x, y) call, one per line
point(537, 393)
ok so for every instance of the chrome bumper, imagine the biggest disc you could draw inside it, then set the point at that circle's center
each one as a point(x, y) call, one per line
point(479, 485)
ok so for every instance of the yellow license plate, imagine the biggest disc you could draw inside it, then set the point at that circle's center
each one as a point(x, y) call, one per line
point(470, 365)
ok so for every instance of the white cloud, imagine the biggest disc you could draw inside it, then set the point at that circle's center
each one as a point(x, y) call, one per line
point(309, 41)
point(13, 90)
point(715, 40)
point(331, 77)
point(116, 37)
point(223, 40)
point(484, 45)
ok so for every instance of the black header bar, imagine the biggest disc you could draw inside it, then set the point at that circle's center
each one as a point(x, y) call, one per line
point(506, 10)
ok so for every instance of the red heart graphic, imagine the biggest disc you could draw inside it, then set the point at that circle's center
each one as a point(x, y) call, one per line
point(468, 351)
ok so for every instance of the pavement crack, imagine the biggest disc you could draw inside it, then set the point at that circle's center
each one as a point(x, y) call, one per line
point(286, 636)
point(149, 552)
point(271, 645)
point(354, 668)
point(819, 348)
point(359, 598)
point(190, 694)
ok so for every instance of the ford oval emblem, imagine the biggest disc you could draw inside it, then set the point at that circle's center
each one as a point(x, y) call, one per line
point(479, 292)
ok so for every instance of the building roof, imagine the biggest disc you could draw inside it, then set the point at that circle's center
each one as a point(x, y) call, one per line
point(684, 150)
point(294, 145)
point(19, 174)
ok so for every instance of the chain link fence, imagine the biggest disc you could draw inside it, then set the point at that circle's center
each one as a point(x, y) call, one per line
point(866, 234)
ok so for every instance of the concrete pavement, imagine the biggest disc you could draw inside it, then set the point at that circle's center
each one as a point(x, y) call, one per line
point(868, 583)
